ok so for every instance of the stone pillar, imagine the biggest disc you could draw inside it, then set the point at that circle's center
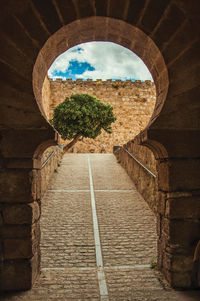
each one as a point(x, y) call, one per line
point(20, 232)
point(178, 219)
point(178, 207)
point(19, 209)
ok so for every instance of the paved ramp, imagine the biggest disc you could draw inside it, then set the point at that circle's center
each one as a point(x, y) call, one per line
point(98, 236)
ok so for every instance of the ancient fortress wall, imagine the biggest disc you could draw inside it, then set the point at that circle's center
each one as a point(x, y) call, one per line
point(133, 104)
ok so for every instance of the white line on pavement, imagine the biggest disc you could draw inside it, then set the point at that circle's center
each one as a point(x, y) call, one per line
point(128, 267)
point(99, 259)
point(96, 190)
point(68, 190)
point(114, 190)
point(115, 267)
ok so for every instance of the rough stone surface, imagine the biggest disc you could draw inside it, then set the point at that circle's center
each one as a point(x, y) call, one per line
point(21, 213)
point(177, 213)
point(49, 163)
point(145, 183)
point(133, 104)
point(10, 181)
point(127, 234)
point(19, 274)
point(19, 248)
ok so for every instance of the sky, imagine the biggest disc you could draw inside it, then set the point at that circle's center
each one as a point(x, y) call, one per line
point(99, 60)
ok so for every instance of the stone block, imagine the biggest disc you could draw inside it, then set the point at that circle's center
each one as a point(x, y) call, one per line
point(21, 214)
point(125, 42)
point(185, 62)
point(20, 248)
point(23, 143)
point(15, 231)
point(191, 121)
point(162, 243)
point(167, 258)
point(173, 49)
point(8, 50)
point(175, 142)
point(85, 8)
point(20, 231)
point(16, 186)
point(67, 9)
point(100, 8)
point(181, 263)
point(133, 18)
point(165, 226)
point(73, 41)
point(19, 275)
point(171, 23)
point(48, 12)
point(177, 263)
point(180, 280)
point(19, 163)
point(177, 279)
point(158, 225)
point(183, 207)
point(153, 14)
point(179, 175)
point(161, 203)
point(30, 21)
point(183, 84)
point(18, 34)
point(1, 219)
point(36, 184)
point(185, 233)
point(117, 11)
point(1, 251)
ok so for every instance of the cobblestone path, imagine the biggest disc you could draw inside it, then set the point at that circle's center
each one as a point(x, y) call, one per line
point(98, 237)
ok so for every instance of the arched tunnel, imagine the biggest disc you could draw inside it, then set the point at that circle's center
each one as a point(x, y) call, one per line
point(166, 36)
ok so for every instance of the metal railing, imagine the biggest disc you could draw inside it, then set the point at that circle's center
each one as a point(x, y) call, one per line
point(50, 156)
point(144, 167)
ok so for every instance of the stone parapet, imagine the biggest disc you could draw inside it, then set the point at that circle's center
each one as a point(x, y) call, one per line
point(50, 162)
point(145, 183)
point(108, 82)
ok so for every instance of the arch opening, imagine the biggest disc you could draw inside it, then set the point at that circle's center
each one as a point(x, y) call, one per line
point(118, 77)
point(102, 29)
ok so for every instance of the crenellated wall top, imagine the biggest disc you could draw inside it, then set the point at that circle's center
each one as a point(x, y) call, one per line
point(108, 82)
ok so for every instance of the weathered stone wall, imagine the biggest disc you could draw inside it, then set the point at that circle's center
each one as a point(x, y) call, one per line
point(50, 161)
point(133, 104)
point(46, 96)
point(145, 183)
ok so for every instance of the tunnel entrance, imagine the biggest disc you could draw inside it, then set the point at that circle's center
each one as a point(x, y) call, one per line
point(108, 29)
point(172, 133)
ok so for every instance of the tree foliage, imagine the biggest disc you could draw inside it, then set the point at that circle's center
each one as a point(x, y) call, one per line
point(82, 115)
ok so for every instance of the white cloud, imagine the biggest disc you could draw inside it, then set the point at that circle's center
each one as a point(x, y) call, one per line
point(111, 61)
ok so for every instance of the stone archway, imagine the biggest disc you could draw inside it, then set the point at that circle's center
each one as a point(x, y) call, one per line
point(173, 133)
point(106, 29)
point(102, 29)
point(176, 264)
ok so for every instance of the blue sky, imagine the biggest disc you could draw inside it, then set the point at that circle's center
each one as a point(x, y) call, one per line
point(99, 60)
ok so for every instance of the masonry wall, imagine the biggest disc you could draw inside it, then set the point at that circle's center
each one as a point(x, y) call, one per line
point(145, 183)
point(133, 104)
point(50, 162)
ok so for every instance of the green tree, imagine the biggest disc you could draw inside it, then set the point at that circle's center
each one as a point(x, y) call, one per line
point(82, 115)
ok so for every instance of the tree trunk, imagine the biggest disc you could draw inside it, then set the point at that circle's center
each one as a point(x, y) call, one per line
point(69, 145)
